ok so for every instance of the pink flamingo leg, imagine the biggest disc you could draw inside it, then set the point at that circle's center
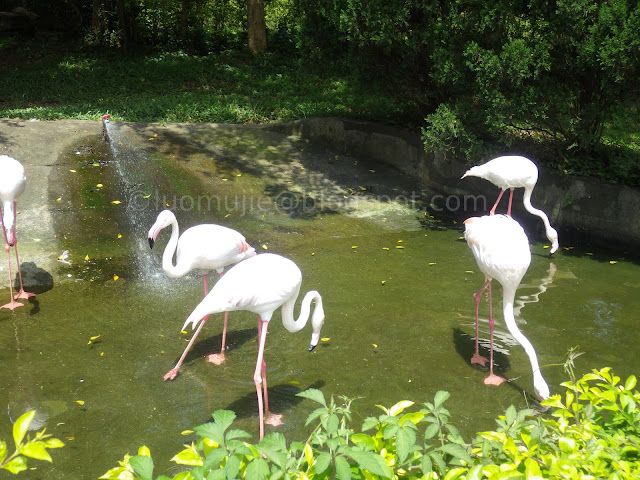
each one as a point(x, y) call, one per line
point(173, 373)
point(21, 293)
point(260, 379)
point(492, 379)
point(477, 358)
point(219, 358)
point(12, 305)
point(510, 200)
point(495, 205)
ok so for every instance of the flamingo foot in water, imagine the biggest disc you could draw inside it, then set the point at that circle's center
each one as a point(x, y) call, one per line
point(273, 419)
point(171, 374)
point(494, 379)
point(478, 359)
point(216, 358)
point(23, 294)
point(12, 305)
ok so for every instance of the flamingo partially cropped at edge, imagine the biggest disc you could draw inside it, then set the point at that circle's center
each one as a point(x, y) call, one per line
point(510, 172)
point(501, 249)
point(13, 181)
point(261, 285)
point(206, 247)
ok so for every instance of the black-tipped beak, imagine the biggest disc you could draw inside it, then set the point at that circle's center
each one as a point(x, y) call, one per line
point(151, 242)
point(311, 347)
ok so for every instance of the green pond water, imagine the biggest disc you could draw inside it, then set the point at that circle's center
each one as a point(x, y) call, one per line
point(90, 353)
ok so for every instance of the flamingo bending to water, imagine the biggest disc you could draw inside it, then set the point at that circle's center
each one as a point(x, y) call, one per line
point(501, 250)
point(12, 183)
point(515, 172)
point(261, 285)
point(206, 247)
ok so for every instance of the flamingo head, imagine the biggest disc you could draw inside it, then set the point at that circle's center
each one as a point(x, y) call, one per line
point(540, 386)
point(165, 218)
point(552, 235)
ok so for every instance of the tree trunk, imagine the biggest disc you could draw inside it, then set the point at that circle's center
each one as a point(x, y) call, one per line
point(257, 28)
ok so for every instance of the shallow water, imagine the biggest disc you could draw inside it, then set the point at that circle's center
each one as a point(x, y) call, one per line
point(398, 288)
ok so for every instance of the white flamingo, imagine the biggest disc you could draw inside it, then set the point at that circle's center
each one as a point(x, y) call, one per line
point(501, 250)
point(12, 183)
point(206, 247)
point(511, 172)
point(261, 285)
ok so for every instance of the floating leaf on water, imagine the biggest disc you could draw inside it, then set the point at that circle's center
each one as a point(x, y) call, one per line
point(613, 262)
point(95, 164)
point(374, 345)
point(227, 215)
point(354, 246)
point(116, 202)
point(264, 246)
point(80, 402)
point(386, 248)
point(183, 331)
point(399, 246)
point(146, 196)
point(432, 263)
point(383, 282)
point(225, 179)
point(313, 253)
point(238, 175)
point(468, 271)
point(72, 171)
point(115, 277)
point(588, 253)
point(362, 188)
point(102, 354)
point(95, 337)
point(59, 199)
point(372, 171)
point(99, 185)
point(87, 257)
point(186, 432)
point(545, 246)
point(325, 339)
point(119, 235)
point(400, 241)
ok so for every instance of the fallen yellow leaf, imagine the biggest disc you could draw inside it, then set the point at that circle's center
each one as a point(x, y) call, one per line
point(72, 171)
point(383, 282)
point(374, 345)
point(99, 185)
point(399, 246)
point(385, 248)
point(186, 432)
point(116, 202)
point(264, 246)
point(80, 402)
point(613, 262)
point(325, 339)
point(432, 263)
point(58, 199)
point(119, 235)
point(115, 277)
point(87, 257)
point(354, 246)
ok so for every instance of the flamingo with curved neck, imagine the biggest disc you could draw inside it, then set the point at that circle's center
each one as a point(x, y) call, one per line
point(206, 247)
point(501, 250)
point(511, 172)
point(261, 285)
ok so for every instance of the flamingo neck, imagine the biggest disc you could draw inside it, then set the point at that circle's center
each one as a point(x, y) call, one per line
point(317, 319)
point(172, 271)
point(509, 294)
point(551, 233)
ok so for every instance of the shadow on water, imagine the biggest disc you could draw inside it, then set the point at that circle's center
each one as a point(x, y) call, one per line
point(397, 280)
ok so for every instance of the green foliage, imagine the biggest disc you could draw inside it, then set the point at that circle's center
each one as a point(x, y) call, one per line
point(592, 431)
point(26, 447)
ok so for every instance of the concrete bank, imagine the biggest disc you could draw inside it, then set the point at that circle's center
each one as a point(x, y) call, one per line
point(580, 208)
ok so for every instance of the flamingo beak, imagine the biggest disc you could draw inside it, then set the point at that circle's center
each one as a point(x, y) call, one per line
point(311, 347)
point(151, 242)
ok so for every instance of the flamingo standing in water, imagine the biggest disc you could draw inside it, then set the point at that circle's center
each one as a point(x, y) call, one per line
point(515, 172)
point(501, 250)
point(12, 183)
point(206, 247)
point(260, 285)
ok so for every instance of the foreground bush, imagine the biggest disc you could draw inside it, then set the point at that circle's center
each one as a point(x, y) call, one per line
point(592, 431)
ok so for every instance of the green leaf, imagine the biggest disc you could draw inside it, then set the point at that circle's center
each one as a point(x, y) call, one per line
point(457, 451)
point(216, 475)
point(117, 473)
point(332, 424)
point(441, 397)
point(36, 450)
point(188, 456)
point(232, 467)
point(3, 451)
point(257, 469)
point(322, 462)
point(233, 434)
point(399, 407)
point(53, 443)
point(510, 415)
point(313, 394)
point(427, 464)
point(363, 441)
point(369, 423)
point(214, 431)
point(214, 458)
point(21, 426)
point(224, 418)
point(431, 431)
point(405, 439)
point(371, 462)
point(343, 470)
point(18, 464)
point(315, 414)
point(143, 466)
point(630, 383)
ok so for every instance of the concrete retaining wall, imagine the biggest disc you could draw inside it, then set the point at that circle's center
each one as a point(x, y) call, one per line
point(580, 208)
